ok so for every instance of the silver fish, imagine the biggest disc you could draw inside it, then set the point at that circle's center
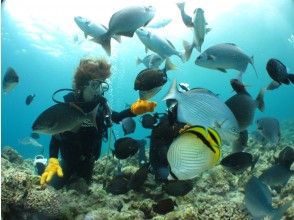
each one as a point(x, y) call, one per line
point(199, 32)
point(202, 107)
point(151, 61)
point(157, 44)
point(258, 201)
point(225, 56)
point(186, 18)
point(270, 129)
point(30, 141)
point(125, 22)
point(10, 80)
point(159, 23)
point(62, 117)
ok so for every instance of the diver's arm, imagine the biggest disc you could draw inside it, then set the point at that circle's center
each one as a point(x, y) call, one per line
point(116, 117)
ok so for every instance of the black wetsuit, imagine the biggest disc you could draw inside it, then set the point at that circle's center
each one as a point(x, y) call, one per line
point(80, 149)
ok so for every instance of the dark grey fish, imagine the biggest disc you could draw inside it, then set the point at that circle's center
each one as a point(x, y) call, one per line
point(273, 85)
point(178, 187)
point(241, 142)
point(139, 177)
point(258, 200)
point(278, 72)
point(125, 22)
point(243, 105)
point(29, 99)
point(151, 61)
point(62, 117)
point(238, 162)
point(164, 206)
point(118, 185)
point(125, 147)
point(128, 125)
point(10, 80)
point(149, 120)
point(276, 176)
point(286, 157)
point(35, 135)
point(270, 129)
point(186, 18)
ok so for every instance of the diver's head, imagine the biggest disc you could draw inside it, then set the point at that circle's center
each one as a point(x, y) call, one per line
point(89, 79)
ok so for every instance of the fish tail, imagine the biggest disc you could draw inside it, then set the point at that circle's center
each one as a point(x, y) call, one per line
point(173, 92)
point(252, 63)
point(168, 65)
point(259, 99)
point(105, 43)
point(277, 214)
point(291, 77)
point(188, 49)
point(181, 5)
point(138, 61)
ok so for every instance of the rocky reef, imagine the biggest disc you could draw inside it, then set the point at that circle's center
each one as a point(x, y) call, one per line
point(217, 194)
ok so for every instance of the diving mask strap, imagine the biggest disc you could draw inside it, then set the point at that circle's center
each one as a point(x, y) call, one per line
point(57, 91)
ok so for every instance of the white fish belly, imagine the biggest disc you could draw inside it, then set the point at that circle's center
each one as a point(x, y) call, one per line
point(188, 157)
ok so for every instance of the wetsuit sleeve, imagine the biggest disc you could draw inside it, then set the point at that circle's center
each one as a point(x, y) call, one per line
point(54, 147)
point(116, 117)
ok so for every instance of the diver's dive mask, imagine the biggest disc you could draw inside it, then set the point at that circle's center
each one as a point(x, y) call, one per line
point(94, 89)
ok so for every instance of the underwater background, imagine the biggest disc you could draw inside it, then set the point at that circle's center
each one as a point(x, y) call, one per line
point(41, 41)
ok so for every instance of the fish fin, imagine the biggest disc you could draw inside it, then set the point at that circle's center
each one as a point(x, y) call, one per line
point(173, 91)
point(232, 44)
point(252, 63)
point(181, 5)
point(207, 30)
point(168, 65)
point(278, 213)
point(127, 34)
point(188, 49)
point(259, 100)
point(138, 61)
point(291, 77)
point(286, 81)
point(254, 163)
point(117, 38)
point(222, 70)
point(86, 35)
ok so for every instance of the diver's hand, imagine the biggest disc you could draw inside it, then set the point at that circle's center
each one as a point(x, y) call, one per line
point(142, 106)
point(52, 168)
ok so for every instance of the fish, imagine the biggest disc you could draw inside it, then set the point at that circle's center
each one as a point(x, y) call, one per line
point(186, 18)
point(149, 120)
point(199, 32)
point(35, 135)
point(62, 117)
point(243, 105)
point(164, 206)
point(29, 99)
point(125, 22)
point(238, 162)
point(128, 125)
point(30, 141)
point(194, 151)
point(178, 187)
point(151, 61)
point(10, 80)
point(286, 157)
point(276, 175)
point(258, 200)
point(125, 147)
point(159, 45)
point(92, 29)
point(202, 107)
point(139, 177)
point(225, 56)
point(184, 86)
point(278, 72)
point(270, 129)
point(241, 142)
point(118, 185)
point(273, 85)
point(159, 23)
point(150, 81)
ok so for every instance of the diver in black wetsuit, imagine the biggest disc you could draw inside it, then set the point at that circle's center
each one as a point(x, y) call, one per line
point(80, 148)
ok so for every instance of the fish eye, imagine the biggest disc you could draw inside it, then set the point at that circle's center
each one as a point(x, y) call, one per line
point(199, 57)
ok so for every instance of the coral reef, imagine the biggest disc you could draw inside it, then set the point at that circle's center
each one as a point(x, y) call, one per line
point(217, 194)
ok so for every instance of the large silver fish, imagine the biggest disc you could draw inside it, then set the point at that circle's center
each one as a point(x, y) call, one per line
point(125, 22)
point(202, 107)
point(199, 32)
point(225, 56)
point(62, 117)
point(157, 44)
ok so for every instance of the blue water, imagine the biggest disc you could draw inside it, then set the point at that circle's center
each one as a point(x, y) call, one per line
point(45, 56)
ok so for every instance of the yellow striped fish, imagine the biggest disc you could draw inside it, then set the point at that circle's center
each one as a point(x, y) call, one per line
point(195, 150)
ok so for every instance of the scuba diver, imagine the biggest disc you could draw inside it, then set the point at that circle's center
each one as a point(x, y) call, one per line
point(79, 149)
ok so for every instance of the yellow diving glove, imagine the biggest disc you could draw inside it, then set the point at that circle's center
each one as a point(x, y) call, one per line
point(142, 106)
point(52, 168)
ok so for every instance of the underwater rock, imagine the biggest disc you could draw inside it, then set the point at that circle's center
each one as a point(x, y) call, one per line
point(11, 155)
